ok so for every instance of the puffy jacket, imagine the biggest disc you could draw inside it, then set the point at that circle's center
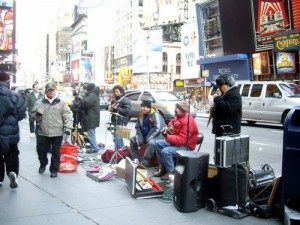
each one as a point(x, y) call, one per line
point(56, 119)
point(91, 111)
point(183, 135)
point(9, 130)
point(151, 127)
point(124, 107)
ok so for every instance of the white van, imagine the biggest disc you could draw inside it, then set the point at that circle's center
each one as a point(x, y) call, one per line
point(267, 101)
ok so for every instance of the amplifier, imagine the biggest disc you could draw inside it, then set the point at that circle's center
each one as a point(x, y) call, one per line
point(230, 150)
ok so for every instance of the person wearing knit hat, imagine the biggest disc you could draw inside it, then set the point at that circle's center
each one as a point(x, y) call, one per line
point(180, 134)
point(4, 77)
point(183, 106)
point(12, 110)
point(148, 130)
point(146, 103)
point(91, 116)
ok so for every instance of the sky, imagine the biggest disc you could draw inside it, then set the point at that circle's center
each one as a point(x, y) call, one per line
point(31, 17)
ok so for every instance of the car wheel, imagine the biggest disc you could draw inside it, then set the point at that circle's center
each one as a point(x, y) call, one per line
point(251, 122)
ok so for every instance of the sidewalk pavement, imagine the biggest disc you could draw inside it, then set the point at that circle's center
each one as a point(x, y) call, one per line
point(75, 199)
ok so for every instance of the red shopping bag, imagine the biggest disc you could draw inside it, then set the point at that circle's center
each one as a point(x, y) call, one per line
point(68, 158)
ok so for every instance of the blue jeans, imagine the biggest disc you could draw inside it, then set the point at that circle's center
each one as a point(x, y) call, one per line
point(91, 133)
point(165, 154)
point(119, 142)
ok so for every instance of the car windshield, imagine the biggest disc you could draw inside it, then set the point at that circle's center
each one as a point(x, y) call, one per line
point(164, 96)
point(291, 90)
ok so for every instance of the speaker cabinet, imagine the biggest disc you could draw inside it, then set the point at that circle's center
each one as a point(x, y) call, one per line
point(190, 177)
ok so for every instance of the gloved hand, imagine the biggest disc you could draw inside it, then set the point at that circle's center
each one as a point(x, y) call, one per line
point(67, 137)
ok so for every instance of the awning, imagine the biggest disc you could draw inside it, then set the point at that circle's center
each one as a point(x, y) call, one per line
point(223, 59)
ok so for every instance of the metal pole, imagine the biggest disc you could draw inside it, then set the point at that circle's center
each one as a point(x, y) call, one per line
point(148, 52)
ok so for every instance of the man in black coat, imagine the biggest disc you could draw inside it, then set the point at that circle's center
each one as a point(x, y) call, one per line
point(91, 115)
point(227, 109)
point(12, 110)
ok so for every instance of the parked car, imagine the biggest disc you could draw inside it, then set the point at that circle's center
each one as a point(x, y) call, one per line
point(266, 101)
point(163, 101)
point(104, 103)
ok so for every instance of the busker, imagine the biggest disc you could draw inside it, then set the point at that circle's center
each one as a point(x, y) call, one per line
point(227, 108)
point(12, 110)
point(180, 134)
point(148, 129)
point(54, 119)
point(120, 109)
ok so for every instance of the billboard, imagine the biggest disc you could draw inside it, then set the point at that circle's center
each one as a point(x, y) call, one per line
point(189, 51)
point(6, 30)
point(261, 63)
point(269, 17)
point(285, 62)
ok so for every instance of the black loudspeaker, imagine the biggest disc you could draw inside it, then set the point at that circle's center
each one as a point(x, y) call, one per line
point(190, 178)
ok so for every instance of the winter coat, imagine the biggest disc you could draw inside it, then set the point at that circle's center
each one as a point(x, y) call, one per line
point(124, 107)
point(91, 111)
point(227, 111)
point(56, 119)
point(12, 110)
point(30, 102)
point(183, 135)
point(149, 126)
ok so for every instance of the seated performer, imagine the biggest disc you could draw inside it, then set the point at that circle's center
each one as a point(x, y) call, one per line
point(148, 129)
point(180, 134)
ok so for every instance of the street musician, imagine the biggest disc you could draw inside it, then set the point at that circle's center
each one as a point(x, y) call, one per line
point(120, 109)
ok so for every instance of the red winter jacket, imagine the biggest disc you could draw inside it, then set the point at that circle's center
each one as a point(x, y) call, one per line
point(179, 135)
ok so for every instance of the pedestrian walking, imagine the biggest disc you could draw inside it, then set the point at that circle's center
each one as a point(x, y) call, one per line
point(12, 110)
point(30, 101)
point(54, 119)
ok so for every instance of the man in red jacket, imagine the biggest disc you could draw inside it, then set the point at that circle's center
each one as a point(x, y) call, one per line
point(180, 134)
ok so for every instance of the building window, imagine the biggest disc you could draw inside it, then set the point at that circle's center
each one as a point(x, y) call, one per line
point(165, 63)
point(178, 63)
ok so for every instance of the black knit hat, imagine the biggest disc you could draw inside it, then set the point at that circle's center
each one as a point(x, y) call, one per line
point(146, 103)
point(90, 87)
point(4, 77)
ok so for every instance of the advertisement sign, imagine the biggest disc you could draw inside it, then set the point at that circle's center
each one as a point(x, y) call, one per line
point(287, 42)
point(86, 70)
point(75, 65)
point(6, 29)
point(270, 17)
point(147, 51)
point(261, 63)
point(239, 69)
point(285, 62)
point(189, 51)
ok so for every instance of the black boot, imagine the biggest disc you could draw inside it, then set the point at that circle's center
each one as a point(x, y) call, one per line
point(161, 171)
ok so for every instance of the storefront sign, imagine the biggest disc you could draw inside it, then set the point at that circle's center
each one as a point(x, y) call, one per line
point(239, 69)
point(287, 42)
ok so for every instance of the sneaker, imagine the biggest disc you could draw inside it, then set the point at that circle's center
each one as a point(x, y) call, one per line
point(53, 174)
point(161, 171)
point(42, 169)
point(166, 176)
point(32, 135)
point(13, 180)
